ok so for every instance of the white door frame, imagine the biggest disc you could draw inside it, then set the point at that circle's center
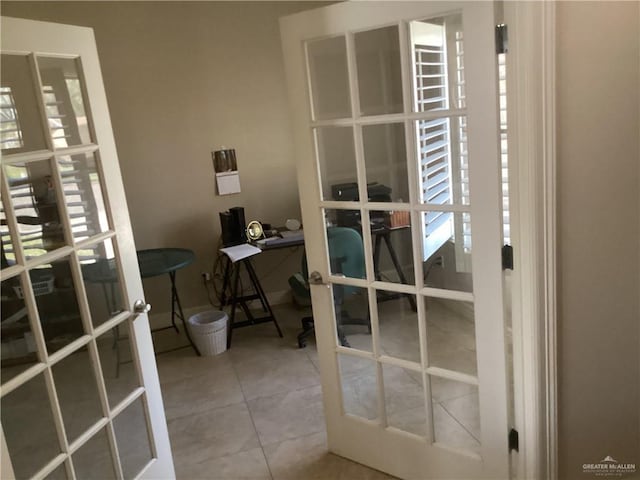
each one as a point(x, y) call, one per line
point(531, 106)
point(532, 162)
point(70, 41)
point(344, 440)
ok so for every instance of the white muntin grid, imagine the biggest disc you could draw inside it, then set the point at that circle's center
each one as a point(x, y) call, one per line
point(415, 206)
point(70, 253)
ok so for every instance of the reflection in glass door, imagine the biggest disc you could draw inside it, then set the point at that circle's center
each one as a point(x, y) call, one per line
point(445, 262)
point(73, 400)
point(401, 133)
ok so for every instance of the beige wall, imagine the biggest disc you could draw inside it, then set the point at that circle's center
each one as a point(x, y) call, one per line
point(183, 79)
point(598, 234)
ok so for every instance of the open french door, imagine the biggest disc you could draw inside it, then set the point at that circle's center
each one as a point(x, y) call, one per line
point(80, 396)
point(395, 117)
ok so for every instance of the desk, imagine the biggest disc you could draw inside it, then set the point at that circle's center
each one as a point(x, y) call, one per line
point(284, 243)
point(232, 279)
point(160, 261)
point(380, 234)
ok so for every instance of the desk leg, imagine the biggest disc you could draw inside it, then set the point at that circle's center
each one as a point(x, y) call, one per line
point(175, 301)
point(116, 338)
point(110, 299)
point(398, 268)
point(234, 301)
point(376, 256)
point(225, 281)
point(263, 298)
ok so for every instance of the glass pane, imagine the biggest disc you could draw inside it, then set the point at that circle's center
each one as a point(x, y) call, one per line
point(28, 427)
point(133, 439)
point(8, 250)
point(18, 345)
point(83, 195)
point(64, 103)
point(379, 75)
point(33, 195)
point(329, 78)
point(77, 393)
point(20, 122)
point(353, 324)
point(60, 473)
point(385, 157)
point(392, 246)
point(337, 160)
point(398, 325)
point(118, 368)
point(456, 414)
point(438, 54)
point(102, 281)
point(359, 386)
point(447, 250)
point(57, 303)
point(404, 400)
point(451, 335)
point(93, 459)
point(444, 165)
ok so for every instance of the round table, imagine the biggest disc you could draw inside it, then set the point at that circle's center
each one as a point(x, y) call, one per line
point(159, 261)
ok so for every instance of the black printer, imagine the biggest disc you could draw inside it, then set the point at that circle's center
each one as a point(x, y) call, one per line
point(348, 192)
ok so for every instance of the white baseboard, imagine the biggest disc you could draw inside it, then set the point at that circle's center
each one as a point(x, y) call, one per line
point(163, 319)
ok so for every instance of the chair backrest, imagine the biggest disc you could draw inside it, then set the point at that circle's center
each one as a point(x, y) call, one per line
point(346, 252)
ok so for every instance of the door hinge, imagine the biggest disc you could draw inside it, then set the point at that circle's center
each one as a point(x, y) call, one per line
point(502, 38)
point(507, 257)
point(513, 440)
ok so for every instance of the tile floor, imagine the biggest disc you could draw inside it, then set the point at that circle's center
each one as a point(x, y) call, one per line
point(252, 413)
point(255, 412)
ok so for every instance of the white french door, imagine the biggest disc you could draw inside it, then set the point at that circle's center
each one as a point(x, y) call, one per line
point(395, 117)
point(80, 396)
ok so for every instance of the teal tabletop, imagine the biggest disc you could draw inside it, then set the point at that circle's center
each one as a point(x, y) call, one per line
point(152, 262)
point(158, 261)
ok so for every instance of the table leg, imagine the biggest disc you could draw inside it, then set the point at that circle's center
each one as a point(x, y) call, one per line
point(225, 281)
point(376, 256)
point(398, 268)
point(261, 294)
point(110, 299)
point(116, 337)
point(234, 301)
point(175, 301)
point(174, 295)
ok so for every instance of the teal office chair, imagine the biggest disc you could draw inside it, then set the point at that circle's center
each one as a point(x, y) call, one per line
point(346, 254)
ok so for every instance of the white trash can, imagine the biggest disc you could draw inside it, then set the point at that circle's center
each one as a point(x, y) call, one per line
point(209, 331)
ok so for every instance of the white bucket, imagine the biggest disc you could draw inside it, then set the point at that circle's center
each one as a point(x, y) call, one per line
point(209, 331)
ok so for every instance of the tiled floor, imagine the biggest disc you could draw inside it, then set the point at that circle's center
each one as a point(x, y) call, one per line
point(254, 412)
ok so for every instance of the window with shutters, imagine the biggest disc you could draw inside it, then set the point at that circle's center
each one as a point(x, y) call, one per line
point(10, 132)
point(504, 150)
point(440, 84)
point(32, 186)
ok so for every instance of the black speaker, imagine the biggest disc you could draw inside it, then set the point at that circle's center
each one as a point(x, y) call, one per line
point(233, 227)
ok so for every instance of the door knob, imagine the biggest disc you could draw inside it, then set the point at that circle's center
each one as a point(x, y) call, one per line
point(141, 307)
point(315, 278)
